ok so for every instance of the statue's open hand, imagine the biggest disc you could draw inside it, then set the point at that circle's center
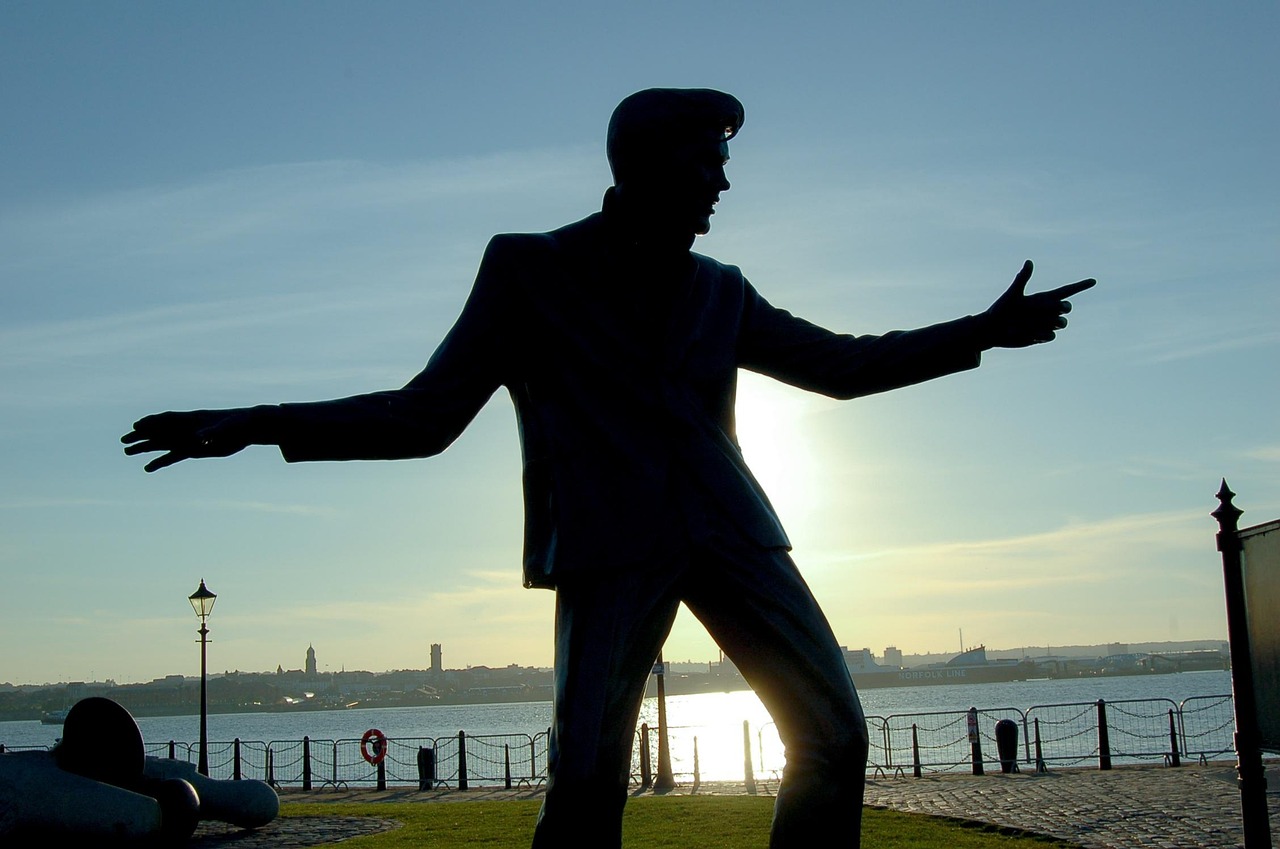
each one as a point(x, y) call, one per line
point(199, 433)
point(1017, 319)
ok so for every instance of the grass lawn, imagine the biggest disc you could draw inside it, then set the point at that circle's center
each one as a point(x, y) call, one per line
point(707, 822)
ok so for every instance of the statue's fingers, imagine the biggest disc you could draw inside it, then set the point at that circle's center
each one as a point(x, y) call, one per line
point(1019, 285)
point(165, 460)
point(142, 447)
point(1063, 292)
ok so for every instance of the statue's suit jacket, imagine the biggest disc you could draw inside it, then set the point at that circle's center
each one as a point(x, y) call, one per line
point(623, 368)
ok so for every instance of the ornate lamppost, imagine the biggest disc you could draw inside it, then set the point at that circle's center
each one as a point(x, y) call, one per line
point(202, 602)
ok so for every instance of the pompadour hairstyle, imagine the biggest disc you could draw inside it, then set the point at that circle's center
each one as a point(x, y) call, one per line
point(650, 124)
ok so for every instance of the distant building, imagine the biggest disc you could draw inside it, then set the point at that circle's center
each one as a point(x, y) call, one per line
point(892, 656)
point(860, 660)
point(1117, 648)
point(311, 662)
point(437, 658)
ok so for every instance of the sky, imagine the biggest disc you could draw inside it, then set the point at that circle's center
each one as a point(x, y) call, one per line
point(226, 204)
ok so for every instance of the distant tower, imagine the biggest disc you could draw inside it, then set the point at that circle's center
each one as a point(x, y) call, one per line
point(892, 656)
point(311, 662)
point(437, 664)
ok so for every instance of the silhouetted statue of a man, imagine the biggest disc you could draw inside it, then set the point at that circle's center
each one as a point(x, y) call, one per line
point(621, 350)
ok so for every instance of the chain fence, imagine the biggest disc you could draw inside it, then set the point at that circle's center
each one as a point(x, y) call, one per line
point(1100, 734)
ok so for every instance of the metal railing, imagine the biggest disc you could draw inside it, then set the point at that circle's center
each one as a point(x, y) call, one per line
point(1072, 734)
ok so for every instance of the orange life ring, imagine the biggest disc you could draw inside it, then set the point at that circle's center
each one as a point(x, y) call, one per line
point(375, 740)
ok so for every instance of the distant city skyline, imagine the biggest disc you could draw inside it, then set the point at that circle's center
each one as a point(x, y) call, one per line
point(311, 667)
point(289, 203)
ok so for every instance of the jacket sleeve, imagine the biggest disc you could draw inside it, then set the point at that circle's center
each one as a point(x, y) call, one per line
point(426, 415)
point(774, 342)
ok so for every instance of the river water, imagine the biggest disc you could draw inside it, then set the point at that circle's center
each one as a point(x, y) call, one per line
point(715, 719)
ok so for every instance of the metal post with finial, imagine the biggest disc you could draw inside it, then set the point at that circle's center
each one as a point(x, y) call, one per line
point(1249, 771)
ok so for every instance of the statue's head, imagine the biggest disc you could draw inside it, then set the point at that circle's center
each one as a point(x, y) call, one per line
point(667, 149)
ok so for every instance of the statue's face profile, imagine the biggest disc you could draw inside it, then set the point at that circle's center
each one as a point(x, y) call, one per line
point(679, 192)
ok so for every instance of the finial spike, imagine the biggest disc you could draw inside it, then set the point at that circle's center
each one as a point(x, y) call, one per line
point(1227, 513)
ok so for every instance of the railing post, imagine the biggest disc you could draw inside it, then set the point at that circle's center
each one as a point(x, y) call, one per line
point(646, 775)
point(235, 760)
point(382, 773)
point(533, 761)
point(1040, 767)
point(1251, 776)
point(975, 741)
point(306, 763)
point(271, 766)
point(1174, 758)
point(462, 760)
point(173, 750)
point(697, 770)
point(1104, 737)
point(507, 757)
point(915, 752)
point(748, 777)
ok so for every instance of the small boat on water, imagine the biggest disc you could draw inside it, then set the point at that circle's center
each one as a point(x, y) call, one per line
point(53, 717)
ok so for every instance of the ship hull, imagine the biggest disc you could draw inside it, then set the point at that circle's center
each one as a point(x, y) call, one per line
point(993, 674)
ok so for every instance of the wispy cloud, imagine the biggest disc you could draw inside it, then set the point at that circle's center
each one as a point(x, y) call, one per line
point(1265, 453)
point(1089, 552)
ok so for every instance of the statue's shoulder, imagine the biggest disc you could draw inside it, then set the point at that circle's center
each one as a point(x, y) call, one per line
point(721, 272)
point(580, 236)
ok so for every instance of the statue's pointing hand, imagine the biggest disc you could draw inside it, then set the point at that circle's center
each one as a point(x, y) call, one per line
point(1017, 319)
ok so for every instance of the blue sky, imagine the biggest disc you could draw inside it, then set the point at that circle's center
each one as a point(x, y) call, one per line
point(206, 205)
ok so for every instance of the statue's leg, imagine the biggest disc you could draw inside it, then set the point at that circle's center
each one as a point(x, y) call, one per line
point(760, 611)
point(608, 633)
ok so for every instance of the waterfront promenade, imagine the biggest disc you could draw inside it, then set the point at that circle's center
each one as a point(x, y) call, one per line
point(1143, 807)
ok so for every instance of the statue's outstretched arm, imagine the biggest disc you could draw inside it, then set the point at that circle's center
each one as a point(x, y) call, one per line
point(418, 420)
point(788, 348)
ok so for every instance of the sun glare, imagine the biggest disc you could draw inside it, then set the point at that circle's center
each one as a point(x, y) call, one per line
point(777, 444)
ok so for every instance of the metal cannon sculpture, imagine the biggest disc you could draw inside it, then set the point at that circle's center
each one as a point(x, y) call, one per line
point(98, 783)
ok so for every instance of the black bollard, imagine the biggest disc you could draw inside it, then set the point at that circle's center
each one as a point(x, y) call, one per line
point(1174, 759)
point(426, 768)
point(1007, 745)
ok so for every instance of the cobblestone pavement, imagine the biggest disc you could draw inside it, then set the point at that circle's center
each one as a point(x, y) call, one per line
point(1140, 807)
